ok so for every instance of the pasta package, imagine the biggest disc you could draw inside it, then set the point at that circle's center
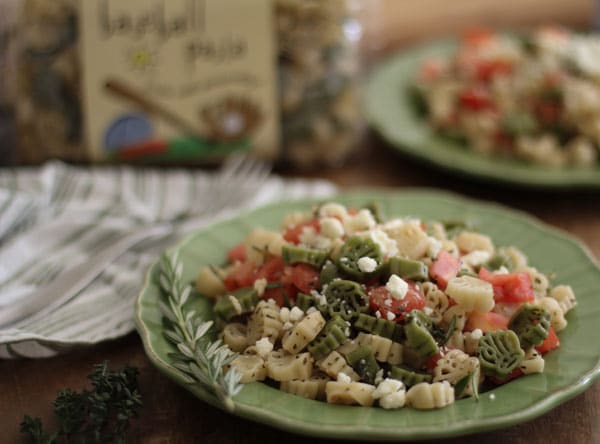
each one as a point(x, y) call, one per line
point(359, 312)
point(186, 80)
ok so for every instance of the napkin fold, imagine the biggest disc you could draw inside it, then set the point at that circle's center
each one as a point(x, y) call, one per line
point(56, 216)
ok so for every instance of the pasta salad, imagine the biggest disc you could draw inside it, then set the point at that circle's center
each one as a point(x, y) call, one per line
point(344, 306)
point(535, 97)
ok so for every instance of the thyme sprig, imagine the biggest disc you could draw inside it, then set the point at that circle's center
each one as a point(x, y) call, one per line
point(198, 359)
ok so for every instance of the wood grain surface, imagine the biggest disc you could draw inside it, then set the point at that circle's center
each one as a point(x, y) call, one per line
point(172, 415)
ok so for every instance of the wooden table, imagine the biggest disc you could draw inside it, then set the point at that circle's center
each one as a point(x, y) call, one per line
point(172, 415)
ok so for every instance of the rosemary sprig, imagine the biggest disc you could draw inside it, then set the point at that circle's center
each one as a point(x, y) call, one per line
point(199, 360)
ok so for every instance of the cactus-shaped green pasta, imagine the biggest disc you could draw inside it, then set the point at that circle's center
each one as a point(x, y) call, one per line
point(355, 248)
point(331, 337)
point(362, 360)
point(328, 273)
point(304, 301)
point(407, 376)
point(531, 323)
point(379, 326)
point(407, 269)
point(345, 298)
point(499, 353)
point(239, 302)
point(418, 336)
point(293, 254)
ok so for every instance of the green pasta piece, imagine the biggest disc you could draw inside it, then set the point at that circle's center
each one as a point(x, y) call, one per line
point(362, 360)
point(531, 323)
point(377, 212)
point(247, 299)
point(497, 261)
point(355, 248)
point(293, 254)
point(418, 336)
point(331, 337)
point(328, 273)
point(407, 376)
point(304, 301)
point(407, 269)
point(378, 326)
point(499, 353)
point(345, 298)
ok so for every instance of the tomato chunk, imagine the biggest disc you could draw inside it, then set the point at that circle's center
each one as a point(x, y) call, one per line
point(380, 299)
point(510, 287)
point(488, 69)
point(292, 234)
point(243, 275)
point(550, 343)
point(304, 277)
point(476, 99)
point(486, 322)
point(444, 267)
point(237, 253)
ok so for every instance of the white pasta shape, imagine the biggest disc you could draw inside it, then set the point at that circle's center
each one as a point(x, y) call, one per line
point(557, 317)
point(234, 335)
point(210, 282)
point(381, 346)
point(303, 332)
point(532, 362)
point(438, 231)
point(349, 393)
point(456, 340)
point(264, 322)
point(335, 363)
point(426, 396)
point(516, 257)
point(284, 367)
point(252, 368)
point(395, 357)
point(460, 315)
point(332, 209)
point(410, 238)
point(468, 241)
point(295, 218)
point(539, 281)
point(471, 294)
point(450, 247)
point(454, 366)
point(436, 300)
point(565, 297)
point(313, 388)
point(261, 242)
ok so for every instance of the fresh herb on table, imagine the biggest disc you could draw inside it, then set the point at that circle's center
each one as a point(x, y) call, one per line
point(100, 415)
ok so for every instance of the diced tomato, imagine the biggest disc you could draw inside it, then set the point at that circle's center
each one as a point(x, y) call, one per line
point(511, 287)
point(550, 343)
point(271, 270)
point(477, 36)
point(281, 294)
point(514, 375)
point(476, 98)
point(304, 277)
point(488, 69)
point(444, 267)
point(243, 275)
point(237, 253)
point(486, 322)
point(414, 300)
point(292, 234)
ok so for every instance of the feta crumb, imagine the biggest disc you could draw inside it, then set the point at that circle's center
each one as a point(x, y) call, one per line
point(367, 264)
point(332, 209)
point(378, 314)
point(260, 285)
point(343, 377)
point(397, 286)
point(390, 316)
point(387, 245)
point(311, 310)
point(502, 270)
point(386, 387)
point(435, 246)
point(394, 400)
point(264, 347)
point(387, 302)
point(236, 304)
point(284, 314)
point(361, 221)
point(476, 258)
point(310, 239)
point(296, 314)
point(331, 228)
point(287, 325)
point(378, 376)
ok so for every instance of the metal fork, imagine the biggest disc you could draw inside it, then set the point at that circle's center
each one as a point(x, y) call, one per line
point(239, 178)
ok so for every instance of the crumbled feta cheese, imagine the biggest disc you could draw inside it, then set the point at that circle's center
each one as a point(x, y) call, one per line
point(378, 314)
point(311, 310)
point(361, 221)
point(477, 334)
point(476, 258)
point(343, 377)
point(397, 286)
point(264, 347)
point(367, 264)
point(310, 239)
point(260, 285)
point(333, 210)
point(387, 302)
point(393, 400)
point(378, 376)
point(287, 325)
point(236, 304)
point(435, 246)
point(296, 314)
point(331, 228)
point(387, 245)
point(320, 298)
point(284, 314)
point(387, 387)
point(390, 316)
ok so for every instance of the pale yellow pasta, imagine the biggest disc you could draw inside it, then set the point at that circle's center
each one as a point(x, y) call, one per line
point(335, 363)
point(457, 312)
point(454, 366)
point(438, 231)
point(516, 257)
point(312, 388)
point(557, 317)
point(532, 362)
point(426, 396)
point(235, 336)
point(379, 345)
point(332, 209)
point(347, 347)
point(349, 393)
point(565, 297)
point(264, 322)
point(539, 281)
point(410, 238)
point(468, 241)
point(436, 300)
point(303, 332)
point(395, 357)
point(210, 282)
point(336, 249)
point(295, 218)
point(450, 247)
point(285, 367)
point(251, 367)
point(471, 294)
point(456, 340)
point(261, 241)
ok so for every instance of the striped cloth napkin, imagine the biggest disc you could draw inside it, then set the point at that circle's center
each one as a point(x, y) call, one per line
point(57, 216)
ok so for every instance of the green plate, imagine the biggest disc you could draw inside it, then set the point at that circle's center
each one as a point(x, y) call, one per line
point(390, 111)
point(569, 370)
